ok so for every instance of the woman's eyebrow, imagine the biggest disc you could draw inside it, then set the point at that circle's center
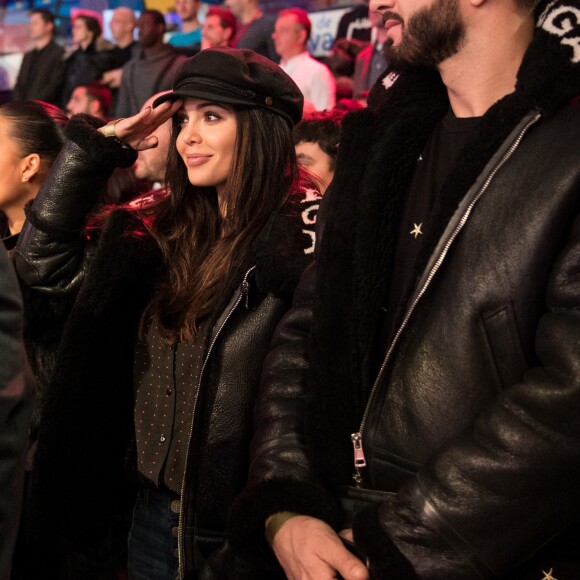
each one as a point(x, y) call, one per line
point(206, 104)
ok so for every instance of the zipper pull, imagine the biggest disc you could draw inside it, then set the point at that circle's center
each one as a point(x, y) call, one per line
point(359, 458)
point(246, 292)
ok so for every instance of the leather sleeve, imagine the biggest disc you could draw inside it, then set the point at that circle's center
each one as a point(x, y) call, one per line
point(493, 497)
point(281, 476)
point(50, 255)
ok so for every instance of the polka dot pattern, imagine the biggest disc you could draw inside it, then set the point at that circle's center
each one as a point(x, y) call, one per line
point(166, 380)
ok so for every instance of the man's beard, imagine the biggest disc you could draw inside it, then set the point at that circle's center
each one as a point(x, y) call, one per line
point(430, 36)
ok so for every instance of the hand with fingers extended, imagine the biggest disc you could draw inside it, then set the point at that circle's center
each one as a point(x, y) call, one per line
point(309, 549)
point(136, 131)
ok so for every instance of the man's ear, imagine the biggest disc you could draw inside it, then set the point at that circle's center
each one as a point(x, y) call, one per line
point(30, 166)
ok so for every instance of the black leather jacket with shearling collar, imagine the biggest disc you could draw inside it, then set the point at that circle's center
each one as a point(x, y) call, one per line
point(470, 425)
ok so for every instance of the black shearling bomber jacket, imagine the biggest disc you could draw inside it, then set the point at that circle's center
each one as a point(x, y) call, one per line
point(84, 303)
point(470, 423)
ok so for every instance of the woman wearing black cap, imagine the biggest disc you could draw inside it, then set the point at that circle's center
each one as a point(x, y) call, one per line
point(165, 322)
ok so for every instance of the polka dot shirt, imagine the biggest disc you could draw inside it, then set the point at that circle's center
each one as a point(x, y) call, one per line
point(166, 383)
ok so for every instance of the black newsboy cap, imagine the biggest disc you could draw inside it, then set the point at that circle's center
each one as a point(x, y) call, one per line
point(237, 77)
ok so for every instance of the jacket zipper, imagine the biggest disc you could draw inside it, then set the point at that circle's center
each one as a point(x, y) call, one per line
point(244, 291)
point(357, 437)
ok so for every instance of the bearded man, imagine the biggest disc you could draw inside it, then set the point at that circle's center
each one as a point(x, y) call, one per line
point(419, 409)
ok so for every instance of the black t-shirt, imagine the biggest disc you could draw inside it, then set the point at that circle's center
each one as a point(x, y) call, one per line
point(433, 166)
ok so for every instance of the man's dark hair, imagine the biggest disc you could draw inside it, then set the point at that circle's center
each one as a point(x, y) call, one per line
point(46, 15)
point(322, 128)
point(98, 92)
point(92, 24)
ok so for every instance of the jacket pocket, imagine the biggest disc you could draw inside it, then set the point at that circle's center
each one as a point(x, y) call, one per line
point(503, 346)
point(389, 471)
point(353, 499)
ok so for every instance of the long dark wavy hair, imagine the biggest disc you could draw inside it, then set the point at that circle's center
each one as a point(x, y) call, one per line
point(203, 251)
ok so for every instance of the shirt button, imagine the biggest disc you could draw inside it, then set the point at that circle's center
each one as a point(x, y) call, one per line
point(168, 391)
point(162, 438)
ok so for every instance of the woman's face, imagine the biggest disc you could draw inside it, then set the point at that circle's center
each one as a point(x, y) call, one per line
point(206, 142)
point(80, 33)
point(11, 185)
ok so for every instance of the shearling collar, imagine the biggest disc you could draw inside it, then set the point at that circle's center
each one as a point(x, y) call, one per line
point(285, 245)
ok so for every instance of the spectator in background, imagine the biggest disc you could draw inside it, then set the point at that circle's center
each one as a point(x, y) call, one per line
point(152, 69)
point(219, 27)
point(92, 99)
point(148, 172)
point(82, 63)
point(111, 62)
point(355, 24)
point(145, 180)
point(370, 62)
point(41, 75)
point(31, 136)
point(313, 78)
point(151, 164)
point(316, 139)
point(189, 39)
point(122, 25)
point(254, 30)
point(14, 411)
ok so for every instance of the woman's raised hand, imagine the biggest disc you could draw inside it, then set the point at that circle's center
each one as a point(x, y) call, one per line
point(136, 131)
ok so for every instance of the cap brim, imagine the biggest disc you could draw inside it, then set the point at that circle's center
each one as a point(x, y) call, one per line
point(216, 97)
point(201, 94)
